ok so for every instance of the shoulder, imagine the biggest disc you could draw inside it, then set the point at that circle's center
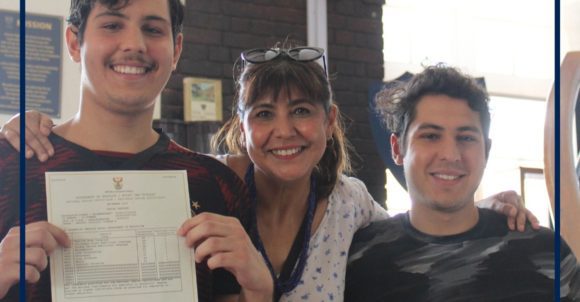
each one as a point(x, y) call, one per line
point(170, 154)
point(380, 242)
point(6, 148)
point(382, 231)
point(395, 224)
point(216, 187)
point(238, 163)
point(350, 188)
point(208, 166)
point(223, 158)
point(10, 167)
point(192, 160)
point(352, 183)
point(174, 147)
point(497, 223)
point(9, 157)
point(353, 194)
point(535, 245)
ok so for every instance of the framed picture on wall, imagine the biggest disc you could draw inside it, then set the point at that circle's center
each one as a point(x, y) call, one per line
point(202, 99)
point(534, 192)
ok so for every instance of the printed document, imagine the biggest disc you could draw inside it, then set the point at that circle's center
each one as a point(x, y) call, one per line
point(123, 226)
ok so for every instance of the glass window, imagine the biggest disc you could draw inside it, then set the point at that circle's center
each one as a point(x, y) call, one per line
point(512, 49)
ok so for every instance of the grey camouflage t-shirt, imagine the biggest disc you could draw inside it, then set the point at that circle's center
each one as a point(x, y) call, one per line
point(392, 261)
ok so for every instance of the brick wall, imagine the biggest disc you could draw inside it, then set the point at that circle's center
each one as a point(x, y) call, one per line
point(216, 31)
point(355, 47)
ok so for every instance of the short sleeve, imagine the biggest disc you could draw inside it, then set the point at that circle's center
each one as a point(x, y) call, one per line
point(362, 200)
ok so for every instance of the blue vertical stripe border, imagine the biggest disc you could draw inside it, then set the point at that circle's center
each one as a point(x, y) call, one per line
point(22, 197)
point(557, 149)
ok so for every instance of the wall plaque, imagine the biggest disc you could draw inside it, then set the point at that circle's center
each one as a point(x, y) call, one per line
point(43, 62)
point(202, 99)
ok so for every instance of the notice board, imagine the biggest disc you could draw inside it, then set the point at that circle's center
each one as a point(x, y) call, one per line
point(43, 62)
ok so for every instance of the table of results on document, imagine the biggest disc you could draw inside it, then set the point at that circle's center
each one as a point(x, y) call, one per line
point(104, 263)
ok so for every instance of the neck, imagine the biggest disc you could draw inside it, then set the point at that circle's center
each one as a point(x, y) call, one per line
point(441, 223)
point(97, 128)
point(281, 202)
point(281, 208)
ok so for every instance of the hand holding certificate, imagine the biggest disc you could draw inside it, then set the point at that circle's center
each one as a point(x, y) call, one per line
point(122, 225)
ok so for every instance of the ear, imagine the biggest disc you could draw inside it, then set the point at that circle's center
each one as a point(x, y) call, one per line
point(487, 148)
point(242, 137)
point(242, 129)
point(396, 153)
point(177, 47)
point(241, 121)
point(73, 44)
point(332, 113)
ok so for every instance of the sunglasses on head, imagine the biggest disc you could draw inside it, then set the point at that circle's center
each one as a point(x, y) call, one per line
point(300, 54)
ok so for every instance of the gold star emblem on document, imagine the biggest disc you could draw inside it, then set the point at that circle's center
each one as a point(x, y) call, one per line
point(194, 206)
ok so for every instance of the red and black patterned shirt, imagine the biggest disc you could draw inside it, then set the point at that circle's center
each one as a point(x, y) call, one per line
point(214, 186)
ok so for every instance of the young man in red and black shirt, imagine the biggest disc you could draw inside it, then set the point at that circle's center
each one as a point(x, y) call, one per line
point(127, 50)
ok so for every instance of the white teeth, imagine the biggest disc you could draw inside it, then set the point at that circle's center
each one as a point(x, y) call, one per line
point(286, 152)
point(129, 69)
point(446, 177)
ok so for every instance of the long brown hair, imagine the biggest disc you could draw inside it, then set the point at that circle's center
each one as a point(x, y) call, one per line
point(257, 80)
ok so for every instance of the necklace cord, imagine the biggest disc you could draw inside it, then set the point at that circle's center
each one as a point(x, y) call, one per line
point(296, 261)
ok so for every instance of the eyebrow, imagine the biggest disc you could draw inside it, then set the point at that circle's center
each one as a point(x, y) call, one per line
point(436, 127)
point(290, 102)
point(261, 105)
point(111, 13)
point(469, 128)
point(299, 101)
point(429, 126)
point(118, 14)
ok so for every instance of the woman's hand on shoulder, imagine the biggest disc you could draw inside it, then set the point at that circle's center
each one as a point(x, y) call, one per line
point(38, 128)
point(510, 204)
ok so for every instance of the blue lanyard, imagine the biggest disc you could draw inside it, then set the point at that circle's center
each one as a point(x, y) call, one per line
point(287, 281)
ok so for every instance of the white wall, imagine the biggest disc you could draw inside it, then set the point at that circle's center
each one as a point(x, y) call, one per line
point(569, 26)
point(510, 43)
point(70, 70)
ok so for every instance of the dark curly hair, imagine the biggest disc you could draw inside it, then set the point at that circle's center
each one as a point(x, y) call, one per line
point(397, 106)
point(80, 10)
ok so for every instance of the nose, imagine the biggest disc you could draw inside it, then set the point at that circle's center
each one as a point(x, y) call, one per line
point(284, 127)
point(449, 150)
point(133, 40)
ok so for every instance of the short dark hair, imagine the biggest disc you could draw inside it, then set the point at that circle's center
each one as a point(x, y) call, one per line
point(397, 106)
point(80, 10)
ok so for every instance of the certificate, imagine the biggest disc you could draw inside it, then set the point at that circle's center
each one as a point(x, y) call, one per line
point(123, 227)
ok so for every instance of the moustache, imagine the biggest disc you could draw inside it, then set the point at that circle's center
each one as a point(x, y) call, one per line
point(134, 58)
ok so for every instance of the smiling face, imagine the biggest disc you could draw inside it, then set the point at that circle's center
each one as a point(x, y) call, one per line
point(444, 156)
point(286, 137)
point(127, 55)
